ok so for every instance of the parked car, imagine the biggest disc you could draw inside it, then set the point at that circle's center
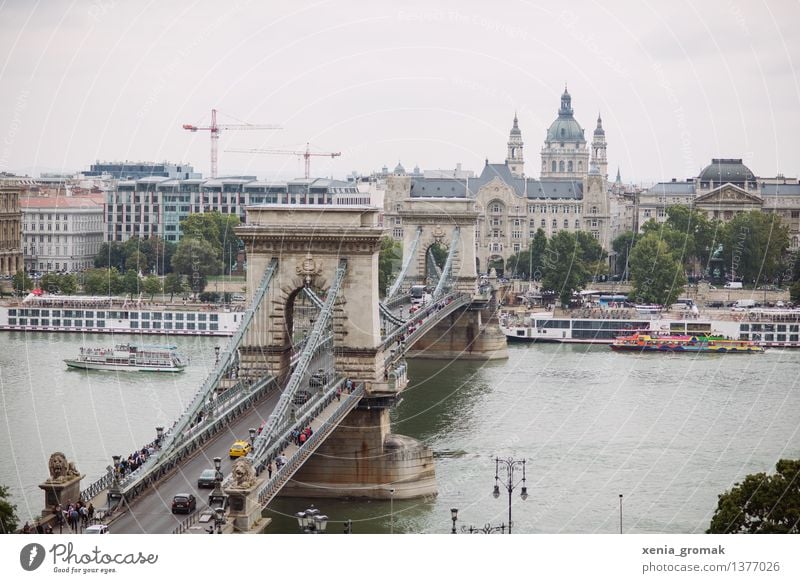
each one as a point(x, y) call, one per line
point(319, 379)
point(240, 448)
point(96, 529)
point(733, 285)
point(301, 397)
point(237, 297)
point(184, 503)
point(206, 479)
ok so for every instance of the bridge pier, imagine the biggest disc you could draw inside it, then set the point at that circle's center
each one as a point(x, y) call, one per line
point(469, 334)
point(362, 459)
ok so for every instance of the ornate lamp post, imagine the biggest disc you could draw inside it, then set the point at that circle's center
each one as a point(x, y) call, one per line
point(454, 518)
point(219, 519)
point(486, 529)
point(159, 436)
point(311, 521)
point(114, 491)
point(510, 465)
point(252, 432)
point(217, 498)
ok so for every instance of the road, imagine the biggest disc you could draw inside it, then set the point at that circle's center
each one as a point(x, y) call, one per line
point(151, 513)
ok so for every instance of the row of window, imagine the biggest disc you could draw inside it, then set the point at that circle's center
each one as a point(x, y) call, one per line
point(769, 327)
point(497, 208)
point(112, 314)
point(134, 325)
point(769, 337)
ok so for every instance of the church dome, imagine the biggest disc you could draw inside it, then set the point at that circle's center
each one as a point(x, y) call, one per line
point(722, 170)
point(565, 128)
point(399, 169)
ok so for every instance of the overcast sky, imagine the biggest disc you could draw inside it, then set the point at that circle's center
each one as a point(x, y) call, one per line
point(431, 83)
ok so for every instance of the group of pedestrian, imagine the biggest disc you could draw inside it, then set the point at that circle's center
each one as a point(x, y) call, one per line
point(300, 437)
point(135, 460)
point(76, 516)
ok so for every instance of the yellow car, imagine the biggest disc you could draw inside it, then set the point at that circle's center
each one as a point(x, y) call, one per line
point(240, 448)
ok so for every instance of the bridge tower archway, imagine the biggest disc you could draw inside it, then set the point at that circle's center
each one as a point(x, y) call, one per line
point(434, 221)
point(308, 244)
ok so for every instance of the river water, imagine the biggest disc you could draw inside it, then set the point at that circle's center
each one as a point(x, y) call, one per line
point(669, 432)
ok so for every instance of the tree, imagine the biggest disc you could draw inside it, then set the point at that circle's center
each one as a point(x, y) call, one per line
point(102, 282)
point(111, 254)
point(68, 283)
point(390, 253)
point(21, 282)
point(658, 278)
point(592, 254)
point(754, 245)
point(538, 249)
point(152, 285)
point(766, 504)
point(50, 283)
point(217, 229)
point(565, 271)
point(693, 223)
point(137, 261)
point(8, 513)
point(622, 245)
point(519, 264)
point(197, 259)
point(173, 284)
point(131, 283)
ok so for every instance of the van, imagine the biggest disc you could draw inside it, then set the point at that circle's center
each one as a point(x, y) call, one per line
point(733, 285)
point(744, 304)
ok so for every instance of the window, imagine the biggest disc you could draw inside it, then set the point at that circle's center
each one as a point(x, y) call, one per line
point(594, 210)
point(496, 208)
point(577, 223)
point(569, 166)
point(555, 224)
point(516, 234)
point(554, 166)
point(566, 223)
point(543, 224)
point(561, 166)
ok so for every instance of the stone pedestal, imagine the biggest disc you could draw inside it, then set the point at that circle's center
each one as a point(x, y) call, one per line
point(244, 512)
point(362, 459)
point(63, 492)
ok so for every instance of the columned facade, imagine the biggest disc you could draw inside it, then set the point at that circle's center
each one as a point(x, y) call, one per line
point(10, 228)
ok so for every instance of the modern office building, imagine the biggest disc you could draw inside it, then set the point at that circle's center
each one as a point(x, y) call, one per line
point(134, 170)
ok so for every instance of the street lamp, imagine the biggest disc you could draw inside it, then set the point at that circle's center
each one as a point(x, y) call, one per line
point(311, 521)
point(391, 510)
point(217, 498)
point(510, 464)
point(114, 491)
point(159, 436)
point(252, 432)
point(219, 519)
point(620, 513)
point(454, 518)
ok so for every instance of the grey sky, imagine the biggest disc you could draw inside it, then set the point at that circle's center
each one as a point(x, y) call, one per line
point(428, 83)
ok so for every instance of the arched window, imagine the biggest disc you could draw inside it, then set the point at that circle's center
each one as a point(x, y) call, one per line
point(555, 224)
point(580, 166)
point(554, 165)
point(577, 223)
point(569, 166)
point(561, 166)
point(594, 210)
point(566, 223)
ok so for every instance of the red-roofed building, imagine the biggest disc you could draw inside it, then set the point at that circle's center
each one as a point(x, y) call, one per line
point(61, 233)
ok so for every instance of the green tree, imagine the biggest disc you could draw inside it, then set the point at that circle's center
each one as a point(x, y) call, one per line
point(8, 513)
point(658, 278)
point(152, 285)
point(131, 283)
point(197, 259)
point(622, 245)
point(137, 261)
point(173, 284)
point(21, 282)
point(519, 264)
point(217, 229)
point(761, 503)
point(538, 249)
point(440, 253)
point(390, 254)
point(754, 245)
point(103, 282)
point(68, 283)
point(111, 254)
point(565, 271)
point(704, 233)
point(50, 283)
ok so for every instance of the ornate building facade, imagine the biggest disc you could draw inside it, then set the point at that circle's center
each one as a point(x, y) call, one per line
point(572, 194)
point(723, 189)
point(10, 227)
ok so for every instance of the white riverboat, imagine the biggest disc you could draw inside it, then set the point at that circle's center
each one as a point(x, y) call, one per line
point(130, 357)
point(768, 328)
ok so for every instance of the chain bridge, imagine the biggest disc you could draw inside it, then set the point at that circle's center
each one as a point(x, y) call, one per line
point(316, 349)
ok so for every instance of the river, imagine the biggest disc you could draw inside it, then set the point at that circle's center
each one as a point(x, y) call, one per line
point(669, 432)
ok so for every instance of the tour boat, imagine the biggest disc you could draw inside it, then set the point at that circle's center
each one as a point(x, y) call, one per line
point(130, 357)
point(684, 343)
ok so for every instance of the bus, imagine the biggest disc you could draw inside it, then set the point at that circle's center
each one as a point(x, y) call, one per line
point(418, 294)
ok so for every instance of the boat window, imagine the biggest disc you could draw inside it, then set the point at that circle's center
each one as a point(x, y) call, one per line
point(101, 323)
point(145, 315)
point(89, 323)
point(190, 317)
point(77, 323)
point(99, 314)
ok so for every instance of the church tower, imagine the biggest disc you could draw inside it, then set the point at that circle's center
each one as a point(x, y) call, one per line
point(514, 160)
point(599, 148)
point(565, 155)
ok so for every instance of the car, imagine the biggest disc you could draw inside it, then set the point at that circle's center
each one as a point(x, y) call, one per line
point(207, 479)
point(184, 503)
point(96, 529)
point(319, 379)
point(237, 297)
point(240, 448)
point(301, 397)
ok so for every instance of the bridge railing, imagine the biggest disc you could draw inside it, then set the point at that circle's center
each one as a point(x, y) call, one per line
point(155, 468)
point(187, 523)
point(449, 302)
point(279, 478)
point(97, 486)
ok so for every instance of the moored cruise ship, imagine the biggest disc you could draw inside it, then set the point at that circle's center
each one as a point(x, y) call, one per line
point(109, 315)
point(776, 328)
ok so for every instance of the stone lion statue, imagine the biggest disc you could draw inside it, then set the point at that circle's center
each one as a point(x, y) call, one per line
point(244, 476)
point(60, 469)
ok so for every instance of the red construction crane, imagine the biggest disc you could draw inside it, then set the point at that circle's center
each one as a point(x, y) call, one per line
point(215, 130)
point(306, 154)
